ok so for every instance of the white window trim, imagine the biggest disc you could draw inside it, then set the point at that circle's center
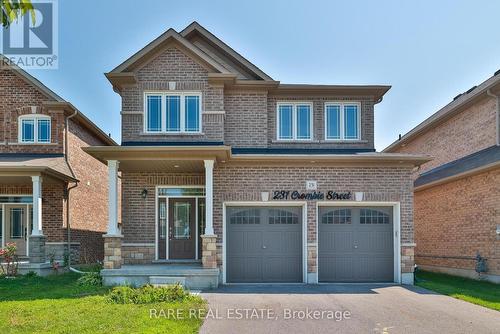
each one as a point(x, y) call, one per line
point(35, 119)
point(294, 121)
point(341, 104)
point(163, 111)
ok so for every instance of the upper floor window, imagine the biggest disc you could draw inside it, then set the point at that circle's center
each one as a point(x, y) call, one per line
point(172, 112)
point(34, 129)
point(294, 121)
point(342, 121)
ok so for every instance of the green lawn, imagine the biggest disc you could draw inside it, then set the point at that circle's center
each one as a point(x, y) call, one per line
point(478, 292)
point(57, 304)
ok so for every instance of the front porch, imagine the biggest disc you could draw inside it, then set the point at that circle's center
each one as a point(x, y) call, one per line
point(31, 207)
point(166, 232)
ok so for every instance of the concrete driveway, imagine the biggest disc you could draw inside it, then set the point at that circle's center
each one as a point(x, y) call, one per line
point(342, 309)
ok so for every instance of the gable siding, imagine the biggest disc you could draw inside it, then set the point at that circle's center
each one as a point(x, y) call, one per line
point(471, 130)
point(172, 66)
point(17, 98)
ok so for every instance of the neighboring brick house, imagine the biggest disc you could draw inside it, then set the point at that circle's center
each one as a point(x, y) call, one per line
point(46, 180)
point(457, 194)
point(244, 179)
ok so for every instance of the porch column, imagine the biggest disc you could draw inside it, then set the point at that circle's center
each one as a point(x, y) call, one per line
point(113, 198)
point(209, 239)
point(112, 240)
point(209, 197)
point(37, 206)
point(37, 239)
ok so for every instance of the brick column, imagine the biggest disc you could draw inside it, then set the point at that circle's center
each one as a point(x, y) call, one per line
point(112, 252)
point(209, 251)
point(407, 263)
point(37, 249)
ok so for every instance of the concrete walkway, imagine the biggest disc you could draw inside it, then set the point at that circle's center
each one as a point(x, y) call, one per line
point(342, 309)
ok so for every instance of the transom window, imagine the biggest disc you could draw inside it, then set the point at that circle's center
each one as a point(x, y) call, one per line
point(337, 216)
point(34, 129)
point(246, 216)
point(172, 112)
point(342, 121)
point(279, 216)
point(370, 216)
point(294, 121)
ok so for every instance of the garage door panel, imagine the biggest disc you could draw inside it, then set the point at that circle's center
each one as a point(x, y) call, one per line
point(253, 242)
point(355, 244)
point(376, 269)
point(336, 268)
point(245, 268)
point(264, 244)
point(335, 242)
point(282, 269)
point(375, 242)
point(283, 242)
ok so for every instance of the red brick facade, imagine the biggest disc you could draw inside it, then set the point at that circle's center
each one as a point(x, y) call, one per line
point(239, 110)
point(469, 131)
point(456, 220)
point(21, 97)
point(245, 183)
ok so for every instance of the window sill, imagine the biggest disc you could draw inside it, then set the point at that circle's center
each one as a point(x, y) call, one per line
point(294, 141)
point(343, 141)
point(172, 133)
point(31, 144)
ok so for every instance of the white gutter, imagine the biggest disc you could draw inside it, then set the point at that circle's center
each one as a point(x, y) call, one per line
point(498, 113)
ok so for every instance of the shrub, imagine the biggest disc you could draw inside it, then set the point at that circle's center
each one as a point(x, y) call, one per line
point(9, 256)
point(90, 279)
point(31, 274)
point(148, 294)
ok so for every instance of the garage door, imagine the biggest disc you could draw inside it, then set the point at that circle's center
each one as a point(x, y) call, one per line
point(355, 244)
point(264, 244)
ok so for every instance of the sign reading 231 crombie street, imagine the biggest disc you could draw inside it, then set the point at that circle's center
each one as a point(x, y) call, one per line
point(310, 196)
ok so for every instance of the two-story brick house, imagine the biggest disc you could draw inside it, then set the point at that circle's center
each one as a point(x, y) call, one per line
point(457, 194)
point(53, 196)
point(256, 180)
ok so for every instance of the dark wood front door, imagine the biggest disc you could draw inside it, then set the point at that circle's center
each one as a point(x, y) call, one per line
point(182, 228)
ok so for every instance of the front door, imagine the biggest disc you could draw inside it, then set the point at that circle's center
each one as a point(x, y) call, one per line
point(182, 229)
point(16, 227)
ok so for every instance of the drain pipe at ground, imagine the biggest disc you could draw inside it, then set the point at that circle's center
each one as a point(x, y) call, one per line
point(66, 155)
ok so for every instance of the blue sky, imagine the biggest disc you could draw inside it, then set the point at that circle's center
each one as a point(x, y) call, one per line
point(429, 51)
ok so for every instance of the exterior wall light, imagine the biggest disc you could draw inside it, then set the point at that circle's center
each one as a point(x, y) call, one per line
point(144, 193)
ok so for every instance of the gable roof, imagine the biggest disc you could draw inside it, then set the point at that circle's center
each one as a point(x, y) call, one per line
point(157, 44)
point(57, 101)
point(196, 28)
point(459, 103)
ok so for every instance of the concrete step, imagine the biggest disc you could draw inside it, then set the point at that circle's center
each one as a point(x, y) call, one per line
point(184, 262)
point(167, 280)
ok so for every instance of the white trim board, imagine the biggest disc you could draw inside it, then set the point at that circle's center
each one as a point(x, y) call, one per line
point(396, 214)
point(302, 204)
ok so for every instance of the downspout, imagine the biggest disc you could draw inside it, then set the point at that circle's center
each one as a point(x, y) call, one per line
point(68, 190)
point(497, 97)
